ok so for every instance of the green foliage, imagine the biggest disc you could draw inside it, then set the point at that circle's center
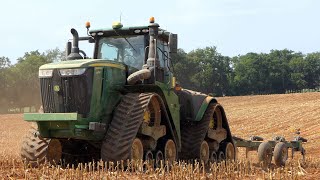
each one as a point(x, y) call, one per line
point(279, 71)
point(205, 70)
point(19, 83)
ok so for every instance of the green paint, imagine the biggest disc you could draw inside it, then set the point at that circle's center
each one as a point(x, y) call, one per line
point(113, 82)
point(95, 107)
point(203, 108)
point(51, 116)
point(79, 64)
point(109, 77)
point(81, 126)
point(173, 103)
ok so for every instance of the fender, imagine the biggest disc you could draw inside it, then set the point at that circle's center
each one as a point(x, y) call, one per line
point(225, 123)
point(204, 106)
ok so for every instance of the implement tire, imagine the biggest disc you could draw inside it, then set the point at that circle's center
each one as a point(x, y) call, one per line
point(280, 154)
point(265, 153)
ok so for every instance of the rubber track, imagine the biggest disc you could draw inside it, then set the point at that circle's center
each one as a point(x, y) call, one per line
point(124, 127)
point(34, 148)
point(192, 135)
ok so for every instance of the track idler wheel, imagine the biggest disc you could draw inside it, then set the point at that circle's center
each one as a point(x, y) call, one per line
point(204, 152)
point(265, 153)
point(280, 154)
point(170, 151)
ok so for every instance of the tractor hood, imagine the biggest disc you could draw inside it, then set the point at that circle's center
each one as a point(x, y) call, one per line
point(83, 63)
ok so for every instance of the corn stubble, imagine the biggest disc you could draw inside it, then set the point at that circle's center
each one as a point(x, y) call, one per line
point(16, 169)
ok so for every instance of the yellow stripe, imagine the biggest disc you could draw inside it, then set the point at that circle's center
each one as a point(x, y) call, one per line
point(108, 65)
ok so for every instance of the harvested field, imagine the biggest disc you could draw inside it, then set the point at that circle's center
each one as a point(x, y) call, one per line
point(276, 115)
point(266, 116)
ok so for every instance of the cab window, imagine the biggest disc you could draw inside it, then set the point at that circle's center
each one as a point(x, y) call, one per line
point(129, 50)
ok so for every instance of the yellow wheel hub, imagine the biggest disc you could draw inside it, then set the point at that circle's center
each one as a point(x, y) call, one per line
point(211, 123)
point(146, 116)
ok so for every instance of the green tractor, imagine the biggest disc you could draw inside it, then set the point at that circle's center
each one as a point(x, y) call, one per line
point(123, 104)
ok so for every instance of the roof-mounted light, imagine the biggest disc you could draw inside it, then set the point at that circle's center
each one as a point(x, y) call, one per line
point(88, 25)
point(151, 20)
point(116, 25)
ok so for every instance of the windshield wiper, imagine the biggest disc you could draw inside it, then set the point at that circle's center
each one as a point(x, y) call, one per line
point(126, 40)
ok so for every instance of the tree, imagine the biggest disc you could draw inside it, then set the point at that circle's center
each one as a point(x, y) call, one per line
point(298, 67)
point(250, 73)
point(312, 75)
point(4, 65)
point(22, 78)
point(183, 68)
point(204, 70)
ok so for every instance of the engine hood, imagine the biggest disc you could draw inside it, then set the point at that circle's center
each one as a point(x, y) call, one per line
point(83, 63)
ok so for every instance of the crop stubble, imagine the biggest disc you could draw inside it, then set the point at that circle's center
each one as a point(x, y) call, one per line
point(266, 116)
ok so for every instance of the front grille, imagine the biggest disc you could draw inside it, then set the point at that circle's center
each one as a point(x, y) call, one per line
point(47, 95)
point(71, 94)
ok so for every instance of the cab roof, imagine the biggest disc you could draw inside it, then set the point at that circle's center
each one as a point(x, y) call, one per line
point(131, 30)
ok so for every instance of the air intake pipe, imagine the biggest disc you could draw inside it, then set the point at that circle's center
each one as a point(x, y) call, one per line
point(149, 69)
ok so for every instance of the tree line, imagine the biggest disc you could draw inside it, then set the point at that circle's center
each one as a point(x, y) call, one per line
point(276, 72)
point(203, 69)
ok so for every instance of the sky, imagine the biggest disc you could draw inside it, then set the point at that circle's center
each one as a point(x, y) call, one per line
point(235, 27)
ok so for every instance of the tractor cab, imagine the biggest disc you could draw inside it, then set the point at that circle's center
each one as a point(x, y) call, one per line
point(128, 46)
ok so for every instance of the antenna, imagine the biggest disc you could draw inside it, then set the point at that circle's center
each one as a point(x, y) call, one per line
point(120, 16)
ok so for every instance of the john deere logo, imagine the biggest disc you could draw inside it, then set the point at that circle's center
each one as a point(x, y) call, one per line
point(56, 88)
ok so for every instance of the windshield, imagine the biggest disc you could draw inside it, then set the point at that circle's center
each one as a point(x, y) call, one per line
point(116, 48)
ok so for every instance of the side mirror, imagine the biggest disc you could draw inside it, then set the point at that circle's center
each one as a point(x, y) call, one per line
point(91, 40)
point(173, 43)
point(68, 49)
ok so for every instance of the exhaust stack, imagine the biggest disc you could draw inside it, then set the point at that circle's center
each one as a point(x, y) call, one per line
point(75, 46)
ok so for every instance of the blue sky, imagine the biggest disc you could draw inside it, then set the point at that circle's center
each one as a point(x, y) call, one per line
point(234, 26)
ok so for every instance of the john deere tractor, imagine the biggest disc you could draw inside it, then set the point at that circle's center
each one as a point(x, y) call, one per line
point(123, 104)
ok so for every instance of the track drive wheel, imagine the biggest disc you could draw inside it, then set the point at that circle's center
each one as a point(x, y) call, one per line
point(265, 153)
point(35, 149)
point(170, 151)
point(280, 154)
